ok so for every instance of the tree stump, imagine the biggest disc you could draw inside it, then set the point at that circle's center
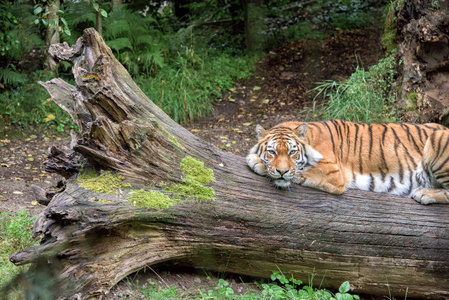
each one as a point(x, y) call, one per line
point(247, 226)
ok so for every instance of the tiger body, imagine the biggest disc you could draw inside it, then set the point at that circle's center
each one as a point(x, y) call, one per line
point(333, 156)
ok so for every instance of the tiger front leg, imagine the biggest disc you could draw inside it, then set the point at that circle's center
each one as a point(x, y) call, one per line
point(330, 180)
point(429, 196)
point(256, 164)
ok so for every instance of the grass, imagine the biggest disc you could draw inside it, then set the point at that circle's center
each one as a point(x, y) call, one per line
point(366, 96)
point(15, 235)
point(190, 82)
point(280, 287)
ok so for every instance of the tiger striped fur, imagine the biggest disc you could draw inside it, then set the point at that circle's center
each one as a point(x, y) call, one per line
point(333, 156)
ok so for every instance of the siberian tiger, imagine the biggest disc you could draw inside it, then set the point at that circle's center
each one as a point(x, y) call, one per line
point(332, 156)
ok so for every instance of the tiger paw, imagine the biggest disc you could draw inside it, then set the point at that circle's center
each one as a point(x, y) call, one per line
point(424, 196)
point(299, 179)
point(256, 164)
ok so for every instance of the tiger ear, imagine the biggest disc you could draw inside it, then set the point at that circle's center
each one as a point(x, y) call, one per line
point(260, 132)
point(301, 131)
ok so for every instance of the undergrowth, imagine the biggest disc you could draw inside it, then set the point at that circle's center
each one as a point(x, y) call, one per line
point(30, 105)
point(366, 96)
point(191, 80)
point(15, 235)
point(280, 287)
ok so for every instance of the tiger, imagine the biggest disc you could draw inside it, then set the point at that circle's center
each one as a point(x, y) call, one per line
point(402, 159)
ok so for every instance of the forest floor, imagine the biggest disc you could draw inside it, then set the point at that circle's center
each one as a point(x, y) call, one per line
point(278, 91)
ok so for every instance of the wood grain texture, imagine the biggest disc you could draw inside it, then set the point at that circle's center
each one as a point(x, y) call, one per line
point(250, 228)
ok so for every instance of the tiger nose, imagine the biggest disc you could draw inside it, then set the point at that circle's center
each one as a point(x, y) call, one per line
point(282, 171)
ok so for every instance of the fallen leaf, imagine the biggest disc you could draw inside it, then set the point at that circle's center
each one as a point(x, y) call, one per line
point(221, 120)
point(265, 101)
point(50, 117)
point(3, 198)
point(247, 124)
point(5, 165)
point(231, 99)
point(30, 159)
point(34, 203)
point(196, 130)
point(256, 88)
point(36, 179)
point(232, 90)
point(17, 193)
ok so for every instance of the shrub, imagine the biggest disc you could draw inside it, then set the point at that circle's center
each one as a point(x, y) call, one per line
point(366, 96)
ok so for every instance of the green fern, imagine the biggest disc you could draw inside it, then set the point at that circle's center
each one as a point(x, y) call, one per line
point(11, 77)
point(119, 44)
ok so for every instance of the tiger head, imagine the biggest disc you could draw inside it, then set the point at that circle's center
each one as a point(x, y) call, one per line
point(285, 153)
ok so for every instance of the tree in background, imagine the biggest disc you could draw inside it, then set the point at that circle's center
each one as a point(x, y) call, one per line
point(254, 15)
point(51, 33)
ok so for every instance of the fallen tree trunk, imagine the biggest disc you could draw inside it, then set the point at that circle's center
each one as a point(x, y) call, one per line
point(247, 227)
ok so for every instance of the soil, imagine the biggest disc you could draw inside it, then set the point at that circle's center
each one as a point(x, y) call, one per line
point(277, 92)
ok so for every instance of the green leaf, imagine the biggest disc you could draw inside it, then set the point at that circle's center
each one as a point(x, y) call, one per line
point(104, 13)
point(37, 10)
point(64, 21)
point(344, 287)
point(96, 6)
point(45, 22)
point(60, 12)
point(67, 31)
point(52, 23)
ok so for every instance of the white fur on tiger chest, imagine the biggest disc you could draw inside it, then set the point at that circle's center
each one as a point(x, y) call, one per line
point(389, 183)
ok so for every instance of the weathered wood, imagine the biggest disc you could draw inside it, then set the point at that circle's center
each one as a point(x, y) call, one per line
point(424, 49)
point(250, 227)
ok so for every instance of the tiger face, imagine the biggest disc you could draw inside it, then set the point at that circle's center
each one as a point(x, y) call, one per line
point(282, 154)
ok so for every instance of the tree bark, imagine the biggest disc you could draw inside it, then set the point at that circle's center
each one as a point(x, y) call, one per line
point(51, 35)
point(424, 51)
point(99, 22)
point(254, 13)
point(116, 3)
point(95, 239)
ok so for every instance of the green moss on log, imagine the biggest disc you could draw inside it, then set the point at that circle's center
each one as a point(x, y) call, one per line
point(106, 183)
point(193, 187)
point(195, 180)
point(153, 199)
point(174, 141)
